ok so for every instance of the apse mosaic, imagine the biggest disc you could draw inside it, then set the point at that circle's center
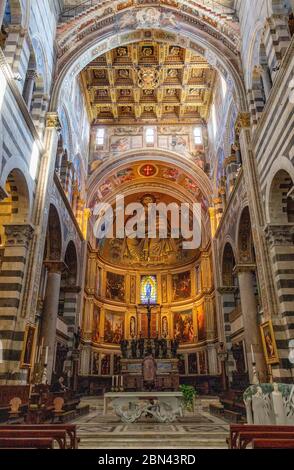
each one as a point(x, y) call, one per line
point(148, 289)
point(136, 252)
point(183, 327)
point(113, 327)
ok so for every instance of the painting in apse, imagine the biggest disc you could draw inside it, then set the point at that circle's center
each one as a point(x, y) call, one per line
point(201, 323)
point(96, 323)
point(105, 364)
point(115, 287)
point(113, 327)
point(183, 327)
point(148, 289)
point(192, 363)
point(95, 363)
point(182, 286)
point(133, 327)
point(164, 327)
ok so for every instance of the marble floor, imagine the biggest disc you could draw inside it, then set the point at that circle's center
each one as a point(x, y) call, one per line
point(195, 431)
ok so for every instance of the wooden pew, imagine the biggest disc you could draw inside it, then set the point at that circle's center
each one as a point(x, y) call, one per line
point(273, 444)
point(70, 430)
point(245, 438)
point(26, 443)
point(58, 435)
point(235, 429)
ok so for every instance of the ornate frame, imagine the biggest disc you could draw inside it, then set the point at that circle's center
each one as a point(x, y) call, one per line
point(267, 329)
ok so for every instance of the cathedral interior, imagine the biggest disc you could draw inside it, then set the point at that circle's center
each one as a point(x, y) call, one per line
point(158, 102)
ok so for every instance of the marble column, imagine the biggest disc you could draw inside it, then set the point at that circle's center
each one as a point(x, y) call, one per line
point(29, 88)
point(2, 10)
point(249, 311)
point(50, 311)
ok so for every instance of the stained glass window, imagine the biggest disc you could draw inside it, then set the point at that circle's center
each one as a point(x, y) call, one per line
point(148, 289)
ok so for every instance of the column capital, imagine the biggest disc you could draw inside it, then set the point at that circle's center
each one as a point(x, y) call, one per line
point(55, 266)
point(32, 74)
point(279, 235)
point(242, 122)
point(52, 121)
point(18, 234)
point(245, 267)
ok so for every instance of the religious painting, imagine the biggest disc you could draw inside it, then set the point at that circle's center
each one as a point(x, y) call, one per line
point(105, 188)
point(164, 288)
point(115, 286)
point(124, 176)
point(116, 365)
point(181, 364)
point(183, 327)
point(133, 327)
point(113, 327)
point(181, 286)
point(105, 364)
point(148, 289)
point(269, 343)
point(192, 363)
point(95, 363)
point(28, 346)
point(133, 290)
point(201, 323)
point(96, 324)
point(164, 327)
point(120, 144)
point(202, 362)
point(98, 281)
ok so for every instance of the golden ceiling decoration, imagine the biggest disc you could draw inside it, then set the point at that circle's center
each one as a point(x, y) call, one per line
point(148, 78)
point(148, 82)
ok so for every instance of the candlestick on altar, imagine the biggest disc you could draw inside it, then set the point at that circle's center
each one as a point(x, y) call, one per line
point(252, 354)
point(46, 355)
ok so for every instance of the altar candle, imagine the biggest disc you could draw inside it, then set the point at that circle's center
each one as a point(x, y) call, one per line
point(252, 355)
point(121, 381)
point(37, 355)
point(46, 355)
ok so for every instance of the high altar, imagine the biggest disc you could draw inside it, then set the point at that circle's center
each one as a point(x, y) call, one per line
point(167, 375)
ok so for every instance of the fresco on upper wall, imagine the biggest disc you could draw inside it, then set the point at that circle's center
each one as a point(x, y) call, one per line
point(113, 327)
point(183, 327)
point(181, 284)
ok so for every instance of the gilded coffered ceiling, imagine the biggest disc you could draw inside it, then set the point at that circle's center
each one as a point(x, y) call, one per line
point(148, 82)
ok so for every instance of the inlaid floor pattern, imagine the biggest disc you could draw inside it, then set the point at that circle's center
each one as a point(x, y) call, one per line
point(197, 431)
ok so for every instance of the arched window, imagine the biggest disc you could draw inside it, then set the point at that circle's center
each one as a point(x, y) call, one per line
point(150, 135)
point(198, 140)
point(100, 137)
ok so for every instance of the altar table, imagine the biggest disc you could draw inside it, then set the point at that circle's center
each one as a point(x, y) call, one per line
point(131, 406)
